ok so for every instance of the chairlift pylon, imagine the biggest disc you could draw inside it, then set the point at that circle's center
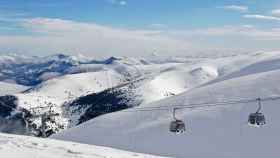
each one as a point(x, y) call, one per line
point(257, 119)
point(177, 126)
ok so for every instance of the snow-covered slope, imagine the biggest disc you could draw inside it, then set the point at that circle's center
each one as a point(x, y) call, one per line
point(74, 96)
point(175, 80)
point(211, 132)
point(58, 91)
point(12, 146)
point(10, 88)
point(69, 87)
point(215, 132)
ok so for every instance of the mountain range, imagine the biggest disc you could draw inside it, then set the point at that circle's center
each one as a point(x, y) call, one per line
point(96, 102)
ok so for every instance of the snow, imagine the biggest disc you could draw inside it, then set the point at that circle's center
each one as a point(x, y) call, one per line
point(216, 132)
point(58, 91)
point(12, 146)
point(211, 132)
point(175, 80)
point(14, 58)
point(65, 88)
point(49, 75)
point(10, 88)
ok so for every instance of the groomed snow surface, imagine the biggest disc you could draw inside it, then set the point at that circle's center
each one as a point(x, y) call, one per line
point(12, 146)
point(217, 132)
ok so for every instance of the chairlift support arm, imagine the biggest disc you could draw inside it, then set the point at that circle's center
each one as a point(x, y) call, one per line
point(259, 104)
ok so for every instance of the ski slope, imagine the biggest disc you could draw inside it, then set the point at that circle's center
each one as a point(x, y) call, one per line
point(12, 146)
point(217, 132)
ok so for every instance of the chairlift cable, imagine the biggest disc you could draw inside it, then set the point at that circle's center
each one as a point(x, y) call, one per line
point(201, 105)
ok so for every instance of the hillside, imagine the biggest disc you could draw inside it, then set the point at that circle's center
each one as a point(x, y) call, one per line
point(55, 93)
point(97, 102)
point(86, 92)
point(211, 132)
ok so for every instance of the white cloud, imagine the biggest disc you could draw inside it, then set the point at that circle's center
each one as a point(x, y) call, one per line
point(231, 39)
point(122, 2)
point(238, 8)
point(118, 2)
point(275, 12)
point(261, 17)
point(229, 32)
point(158, 26)
point(50, 36)
point(248, 26)
point(58, 35)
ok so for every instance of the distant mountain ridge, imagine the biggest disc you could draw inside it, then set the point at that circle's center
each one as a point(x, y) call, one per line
point(33, 70)
point(28, 70)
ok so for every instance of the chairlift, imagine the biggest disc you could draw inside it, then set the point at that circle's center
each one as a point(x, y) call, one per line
point(177, 126)
point(257, 119)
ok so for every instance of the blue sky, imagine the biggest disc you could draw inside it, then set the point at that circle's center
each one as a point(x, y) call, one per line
point(170, 27)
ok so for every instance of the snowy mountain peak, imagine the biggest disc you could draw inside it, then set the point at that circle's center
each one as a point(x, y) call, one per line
point(111, 60)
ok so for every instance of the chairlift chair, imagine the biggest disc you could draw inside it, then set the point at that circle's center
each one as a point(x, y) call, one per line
point(257, 119)
point(177, 126)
